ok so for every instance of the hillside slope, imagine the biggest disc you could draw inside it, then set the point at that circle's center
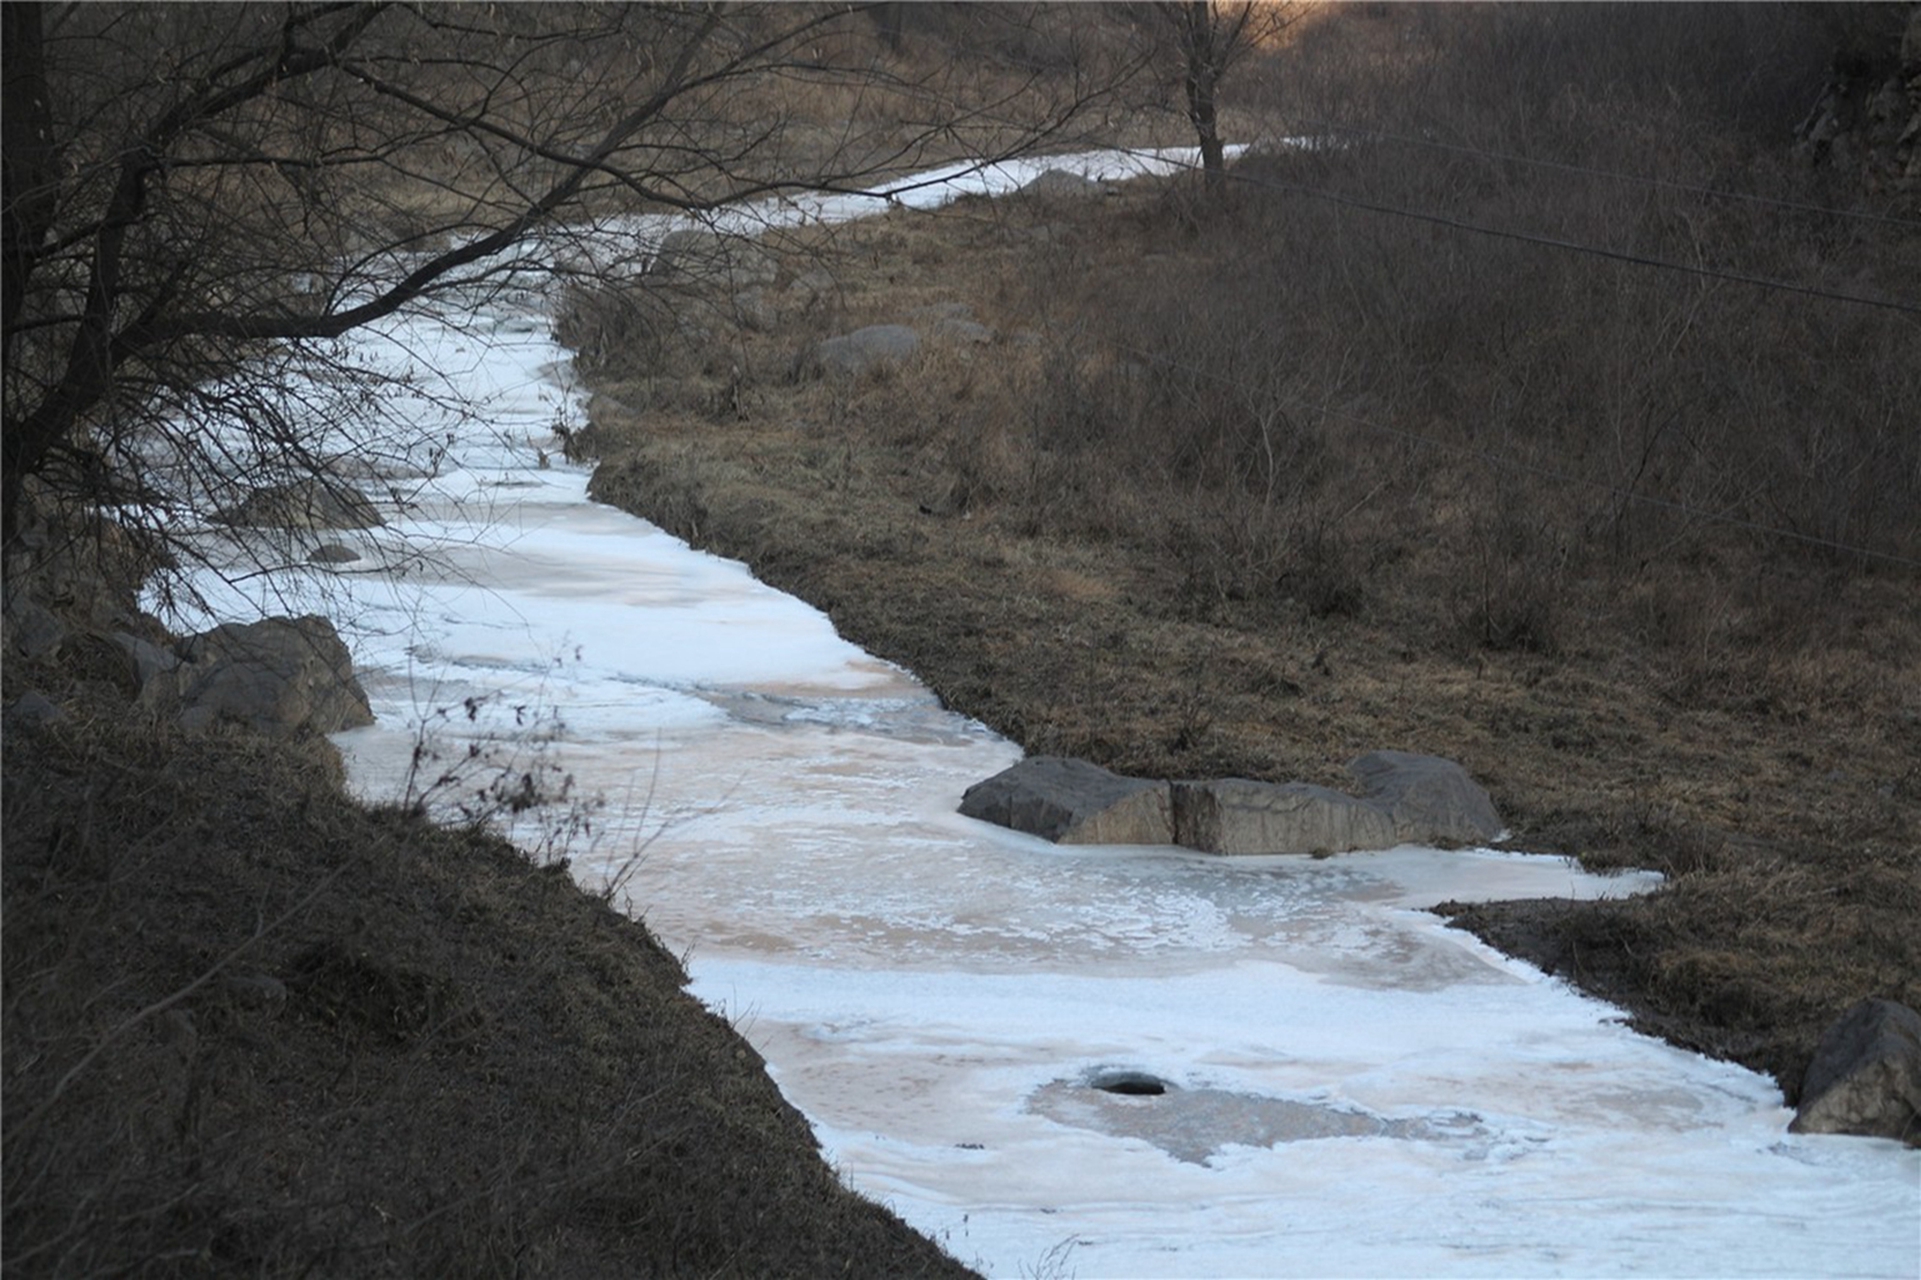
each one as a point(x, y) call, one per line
point(251, 1026)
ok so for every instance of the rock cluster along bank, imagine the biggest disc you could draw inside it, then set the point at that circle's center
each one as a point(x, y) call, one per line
point(1404, 799)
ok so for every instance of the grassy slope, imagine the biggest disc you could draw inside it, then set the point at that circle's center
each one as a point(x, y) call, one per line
point(251, 1026)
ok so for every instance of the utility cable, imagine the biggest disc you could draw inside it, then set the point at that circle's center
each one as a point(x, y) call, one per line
point(1552, 242)
point(1667, 183)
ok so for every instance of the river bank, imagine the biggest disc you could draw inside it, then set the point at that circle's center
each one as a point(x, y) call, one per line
point(254, 1026)
point(936, 512)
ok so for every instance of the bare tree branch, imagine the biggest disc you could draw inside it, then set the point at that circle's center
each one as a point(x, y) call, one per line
point(186, 185)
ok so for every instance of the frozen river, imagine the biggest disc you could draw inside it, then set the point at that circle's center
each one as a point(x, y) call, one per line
point(1346, 1087)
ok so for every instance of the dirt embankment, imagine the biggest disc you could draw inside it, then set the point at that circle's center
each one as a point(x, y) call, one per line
point(993, 516)
point(252, 1027)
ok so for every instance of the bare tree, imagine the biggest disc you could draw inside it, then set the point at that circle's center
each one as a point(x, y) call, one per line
point(1209, 37)
point(201, 199)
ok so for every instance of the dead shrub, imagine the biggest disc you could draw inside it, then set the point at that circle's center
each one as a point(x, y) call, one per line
point(1513, 592)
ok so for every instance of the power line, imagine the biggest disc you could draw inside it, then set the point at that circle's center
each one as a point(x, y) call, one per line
point(1552, 242)
point(1669, 184)
point(1533, 468)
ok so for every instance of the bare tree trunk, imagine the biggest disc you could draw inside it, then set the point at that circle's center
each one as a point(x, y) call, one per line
point(1202, 80)
point(27, 204)
point(1210, 37)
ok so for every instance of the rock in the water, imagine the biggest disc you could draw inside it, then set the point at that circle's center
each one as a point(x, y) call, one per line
point(1235, 815)
point(280, 676)
point(1866, 1075)
point(1073, 802)
point(304, 504)
point(332, 553)
point(862, 351)
point(1431, 800)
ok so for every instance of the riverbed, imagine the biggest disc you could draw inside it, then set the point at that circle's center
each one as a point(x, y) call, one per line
point(1316, 1076)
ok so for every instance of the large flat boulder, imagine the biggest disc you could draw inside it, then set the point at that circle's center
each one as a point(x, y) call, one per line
point(1238, 816)
point(1073, 802)
point(1063, 184)
point(279, 676)
point(1865, 1078)
point(852, 355)
point(1430, 800)
point(697, 256)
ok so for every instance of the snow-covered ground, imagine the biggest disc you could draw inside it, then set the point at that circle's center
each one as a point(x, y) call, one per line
point(1350, 1088)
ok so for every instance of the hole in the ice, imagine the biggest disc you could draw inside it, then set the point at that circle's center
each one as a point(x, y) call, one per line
point(1132, 1084)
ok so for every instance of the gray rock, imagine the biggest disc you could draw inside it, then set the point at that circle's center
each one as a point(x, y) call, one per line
point(32, 710)
point(697, 256)
point(279, 676)
point(149, 659)
point(1238, 816)
point(1073, 802)
point(862, 351)
point(1866, 1075)
point(1059, 184)
point(31, 628)
point(304, 504)
point(1431, 800)
point(332, 553)
point(963, 331)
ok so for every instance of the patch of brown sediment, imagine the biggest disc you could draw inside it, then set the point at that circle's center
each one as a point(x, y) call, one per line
point(1729, 710)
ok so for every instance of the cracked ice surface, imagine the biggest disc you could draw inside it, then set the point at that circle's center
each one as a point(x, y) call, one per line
point(1354, 1089)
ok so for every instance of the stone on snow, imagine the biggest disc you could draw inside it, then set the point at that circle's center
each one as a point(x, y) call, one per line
point(1239, 816)
point(1072, 802)
point(1865, 1078)
point(1430, 800)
